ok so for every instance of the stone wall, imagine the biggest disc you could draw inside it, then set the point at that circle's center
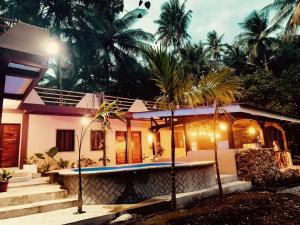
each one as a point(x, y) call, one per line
point(257, 165)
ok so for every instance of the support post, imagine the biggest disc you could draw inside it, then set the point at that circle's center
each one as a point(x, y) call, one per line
point(128, 138)
point(186, 139)
point(24, 140)
point(2, 85)
point(230, 135)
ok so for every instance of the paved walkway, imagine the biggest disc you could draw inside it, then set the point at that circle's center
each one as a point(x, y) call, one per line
point(99, 214)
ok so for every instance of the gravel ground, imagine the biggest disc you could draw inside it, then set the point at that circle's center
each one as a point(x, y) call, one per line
point(253, 208)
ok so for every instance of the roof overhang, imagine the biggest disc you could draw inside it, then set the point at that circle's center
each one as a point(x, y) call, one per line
point(23, 59)
point(209, 110)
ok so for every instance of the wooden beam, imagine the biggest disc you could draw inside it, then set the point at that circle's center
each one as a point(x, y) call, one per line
point(24, 139)
point(15, 72)
point(2, 85)
point(186, 139)
point(13, 96)
point(128, 141)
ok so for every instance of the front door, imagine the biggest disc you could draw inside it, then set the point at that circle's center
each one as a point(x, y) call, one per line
point(136, 147)
point(10, 145)
point(121, 153)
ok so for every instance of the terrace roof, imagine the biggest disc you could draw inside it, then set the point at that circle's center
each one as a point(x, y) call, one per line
point(209, 110)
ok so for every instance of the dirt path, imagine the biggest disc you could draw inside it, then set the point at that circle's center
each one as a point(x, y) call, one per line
point(252, 208)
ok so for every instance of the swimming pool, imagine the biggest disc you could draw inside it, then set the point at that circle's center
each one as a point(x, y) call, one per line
point(135, 182)
point(132, 166)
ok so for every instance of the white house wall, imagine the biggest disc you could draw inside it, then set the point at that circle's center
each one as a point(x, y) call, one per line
point(42, 136)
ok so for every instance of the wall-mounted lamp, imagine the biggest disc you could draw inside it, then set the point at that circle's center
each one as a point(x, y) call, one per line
point(150, 138)
point(251, 130)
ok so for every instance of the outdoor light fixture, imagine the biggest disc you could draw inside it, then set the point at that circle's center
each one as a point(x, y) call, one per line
point(251, 130)
point(223, 126)
point(52, 48)
point(85, 120)
point(150, 138)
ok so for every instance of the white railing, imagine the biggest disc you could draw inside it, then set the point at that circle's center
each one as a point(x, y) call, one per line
point(51, 96)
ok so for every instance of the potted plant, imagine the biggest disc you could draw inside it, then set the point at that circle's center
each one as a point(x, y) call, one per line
point(5, 175)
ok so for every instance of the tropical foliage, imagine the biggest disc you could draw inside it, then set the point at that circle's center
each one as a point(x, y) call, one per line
point(102, 47)
point(173, 24)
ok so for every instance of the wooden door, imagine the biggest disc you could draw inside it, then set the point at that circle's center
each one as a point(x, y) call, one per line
point(136, 146)
point(121, 153)
point(10, 144)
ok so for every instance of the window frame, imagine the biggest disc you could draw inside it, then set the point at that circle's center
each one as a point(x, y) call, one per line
point(91, 141)
point(73, 140)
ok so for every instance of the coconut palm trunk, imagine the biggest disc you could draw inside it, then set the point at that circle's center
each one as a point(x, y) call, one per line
point(216, 153)
point(104, 149)
point(172, 174)
point(80, 199)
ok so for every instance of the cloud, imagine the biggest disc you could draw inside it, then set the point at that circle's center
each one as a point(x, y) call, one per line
point(220, 15)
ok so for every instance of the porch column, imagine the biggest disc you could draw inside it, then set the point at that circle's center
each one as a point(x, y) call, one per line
point(186, 138)
point(2, 85)
point(24, 140)
point(230, 135)
point(128, 141)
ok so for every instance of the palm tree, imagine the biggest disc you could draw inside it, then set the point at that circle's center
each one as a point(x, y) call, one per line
point(177, 89)
point(193, 59)
point(168, 76)
point(225, 90)
point(214, 45)
point(235, 58)
point(287, 11)
point(105, 112)
point(173, 24)
point(256, 37)
point(120, 42)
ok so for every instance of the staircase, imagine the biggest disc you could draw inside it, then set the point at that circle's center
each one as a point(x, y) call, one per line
point(28, 199)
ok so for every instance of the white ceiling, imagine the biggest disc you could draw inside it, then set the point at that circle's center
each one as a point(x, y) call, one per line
point(16, 85)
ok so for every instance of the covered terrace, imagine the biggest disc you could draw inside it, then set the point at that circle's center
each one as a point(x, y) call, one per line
point(251, 127)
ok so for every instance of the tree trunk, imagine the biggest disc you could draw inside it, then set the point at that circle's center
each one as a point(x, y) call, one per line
point(80, 200)
point(216, 155)
point(266, 62)
point(173, 178)
point(104, 149)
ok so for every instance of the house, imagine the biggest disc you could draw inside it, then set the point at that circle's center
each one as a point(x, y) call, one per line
point(34, 119)
point(44, 119)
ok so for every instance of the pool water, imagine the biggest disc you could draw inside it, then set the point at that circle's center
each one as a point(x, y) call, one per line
point(112, 168)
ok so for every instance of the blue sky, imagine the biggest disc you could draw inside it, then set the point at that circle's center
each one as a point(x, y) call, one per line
point(220, 15)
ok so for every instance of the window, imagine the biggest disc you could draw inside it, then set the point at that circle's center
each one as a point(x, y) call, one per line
point(97, 140)
point(179, 139)
point(65, 140)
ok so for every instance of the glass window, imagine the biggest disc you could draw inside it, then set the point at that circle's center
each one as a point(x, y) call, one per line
point(65, 140)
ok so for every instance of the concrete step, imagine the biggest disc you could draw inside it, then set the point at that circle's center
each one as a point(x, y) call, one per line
point(20, 176)
point(227, 178)
point(36, 207)
point(35, 181)
point(30, 194)
point(188, 199)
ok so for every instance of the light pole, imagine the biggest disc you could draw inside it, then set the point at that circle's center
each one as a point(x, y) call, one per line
point(54, 48)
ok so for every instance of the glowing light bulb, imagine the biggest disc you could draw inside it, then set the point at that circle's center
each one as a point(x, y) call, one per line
point(52, 48)
point(85, 120)
point(223, 126)
point(251, 130)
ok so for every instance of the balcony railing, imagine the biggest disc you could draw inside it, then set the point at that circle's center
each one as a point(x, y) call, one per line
point(52, 96)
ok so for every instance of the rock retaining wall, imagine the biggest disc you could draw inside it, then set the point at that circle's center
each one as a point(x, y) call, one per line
point(257, 165)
